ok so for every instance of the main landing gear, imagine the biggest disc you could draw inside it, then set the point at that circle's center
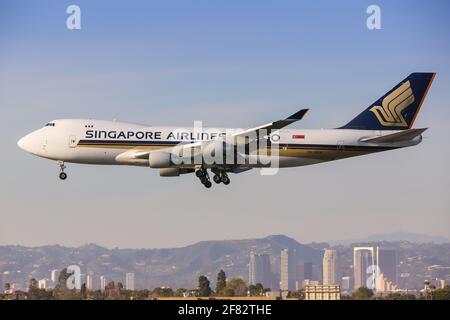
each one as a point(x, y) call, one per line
point(219, 176)
point(62, 167)
point(203, 175)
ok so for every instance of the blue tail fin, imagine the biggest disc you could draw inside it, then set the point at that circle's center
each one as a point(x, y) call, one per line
point(398, 108)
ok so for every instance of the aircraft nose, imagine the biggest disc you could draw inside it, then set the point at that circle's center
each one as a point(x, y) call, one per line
point(25, 144)
point(21, 143)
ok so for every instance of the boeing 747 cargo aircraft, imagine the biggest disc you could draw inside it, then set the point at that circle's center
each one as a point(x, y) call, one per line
point(384, 125)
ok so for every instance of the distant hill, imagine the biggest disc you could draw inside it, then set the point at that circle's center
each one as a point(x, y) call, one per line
point(177, 267)
point(395, 237)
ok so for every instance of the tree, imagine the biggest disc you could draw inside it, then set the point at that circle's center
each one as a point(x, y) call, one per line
point(83, 291)
point(442, 294)
point(238, 286)
point(180, 292)
point(162, 292)
point(399, 296)
point(362, 293)
point(221, 282)
point(228, 292)
point(204, 290)
point(256, 290)
point(33, 289)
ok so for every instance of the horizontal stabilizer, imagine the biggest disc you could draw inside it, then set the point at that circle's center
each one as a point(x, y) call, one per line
point(405, 135)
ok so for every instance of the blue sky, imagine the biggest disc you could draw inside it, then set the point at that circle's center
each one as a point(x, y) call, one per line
point(229, 64)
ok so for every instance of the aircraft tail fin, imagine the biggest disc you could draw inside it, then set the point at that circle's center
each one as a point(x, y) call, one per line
point(398, 108)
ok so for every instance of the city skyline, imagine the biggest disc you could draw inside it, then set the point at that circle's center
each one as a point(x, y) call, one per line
point(174, 63)
point(401, 260)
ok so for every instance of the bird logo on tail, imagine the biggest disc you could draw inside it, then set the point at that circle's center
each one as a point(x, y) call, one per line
point(390, 113)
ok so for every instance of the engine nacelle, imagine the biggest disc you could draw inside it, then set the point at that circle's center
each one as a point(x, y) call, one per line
point(159, 159)
point(174, 172)
point(169, 172)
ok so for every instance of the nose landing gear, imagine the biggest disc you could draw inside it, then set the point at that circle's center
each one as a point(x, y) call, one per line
point(62, 167)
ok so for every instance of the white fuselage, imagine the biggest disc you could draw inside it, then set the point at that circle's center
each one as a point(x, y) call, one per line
point(103, 142)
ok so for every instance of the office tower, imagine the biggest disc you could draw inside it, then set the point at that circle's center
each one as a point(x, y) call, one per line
point(129, 281)
point(102, 283)
point(345, 283)
point(42, 284)
point(388, 263)
point(307, 270)
point(54, 275)
point(5, 280)
point(365, 264)
point(330, 267)
point(259, 270)
point(90, 281)
point(288, 272)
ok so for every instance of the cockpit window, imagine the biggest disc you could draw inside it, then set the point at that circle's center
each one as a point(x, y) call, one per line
point(50, 124)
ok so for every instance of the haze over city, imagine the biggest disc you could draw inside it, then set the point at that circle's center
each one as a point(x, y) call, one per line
point(229, 64)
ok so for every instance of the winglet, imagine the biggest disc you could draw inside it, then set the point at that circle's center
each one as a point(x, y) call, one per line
point(289, 120)
point(298, 115)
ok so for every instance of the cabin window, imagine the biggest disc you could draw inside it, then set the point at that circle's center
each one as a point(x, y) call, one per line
point(50, 124)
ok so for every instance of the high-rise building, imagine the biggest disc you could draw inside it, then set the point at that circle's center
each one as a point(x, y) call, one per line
point(384, 284)
point(42, 284)
point(365, 265)
point(54, 275)
point(288, 270)
point(259, 270)
point(4, 280)
point(307, 270)
point(102, 283)
point(90, 281)
point(330, 267)
point(387, 262)
point(345, 283)
point(129, 281)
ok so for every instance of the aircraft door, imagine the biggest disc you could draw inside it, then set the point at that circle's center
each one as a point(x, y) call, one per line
point(72, 141)
point(340, 145)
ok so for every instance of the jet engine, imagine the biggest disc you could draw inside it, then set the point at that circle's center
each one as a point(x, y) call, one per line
point(159, 159)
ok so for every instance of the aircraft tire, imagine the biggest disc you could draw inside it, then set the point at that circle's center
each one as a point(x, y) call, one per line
point(208, 184)
point(226, 180)
point(217, 179)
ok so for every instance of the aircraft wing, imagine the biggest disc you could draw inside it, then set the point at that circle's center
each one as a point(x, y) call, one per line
point(137, 156)
point(276, 124)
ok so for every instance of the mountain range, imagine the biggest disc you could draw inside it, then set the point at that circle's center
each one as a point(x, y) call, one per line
point(174, 267)
point(181, 267)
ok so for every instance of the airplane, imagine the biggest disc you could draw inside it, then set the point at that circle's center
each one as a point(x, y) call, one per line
point(384, 125)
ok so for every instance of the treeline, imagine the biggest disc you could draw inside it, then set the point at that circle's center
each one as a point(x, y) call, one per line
point(364, 293)
point(235, 287)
